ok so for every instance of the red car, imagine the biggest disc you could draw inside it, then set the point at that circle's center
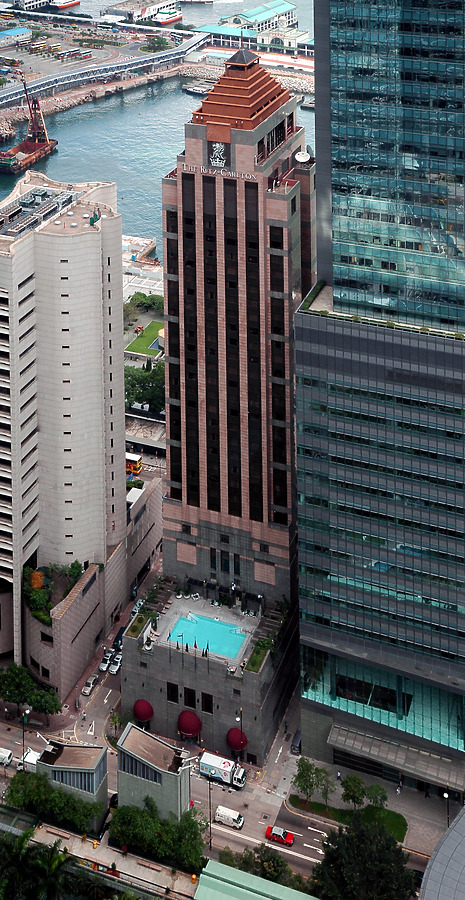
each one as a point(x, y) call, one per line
point(279, 835)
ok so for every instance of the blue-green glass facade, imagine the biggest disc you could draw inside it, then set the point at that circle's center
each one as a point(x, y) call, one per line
point(397, 144)
point(381, 498)
point(380, 385)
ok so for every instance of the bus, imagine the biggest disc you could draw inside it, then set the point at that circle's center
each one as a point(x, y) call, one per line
point(9, 61)
point(85, 54)
point(54, 47)
point(6, 15)
point(70, 54)
point(38, 46)
point(133, 463)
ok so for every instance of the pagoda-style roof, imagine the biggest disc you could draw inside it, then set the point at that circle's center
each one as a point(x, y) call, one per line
point(243, 97)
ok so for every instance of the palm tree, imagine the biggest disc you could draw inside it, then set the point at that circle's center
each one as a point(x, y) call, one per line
point(54, 877)
point(17, 858)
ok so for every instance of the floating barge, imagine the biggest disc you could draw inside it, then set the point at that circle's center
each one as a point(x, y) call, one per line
point(200, 89)
point(36, 144)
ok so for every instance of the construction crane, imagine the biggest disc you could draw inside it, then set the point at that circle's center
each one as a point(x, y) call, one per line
point(36, 144)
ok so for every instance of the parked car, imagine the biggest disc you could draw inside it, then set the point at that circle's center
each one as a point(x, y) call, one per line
point(106, 661)
point(115, 664)
point(90, 684)
point(118, 642)
point(279, 835)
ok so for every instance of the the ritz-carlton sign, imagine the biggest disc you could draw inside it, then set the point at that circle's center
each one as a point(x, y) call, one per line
point(219, 159)
point(228, 173)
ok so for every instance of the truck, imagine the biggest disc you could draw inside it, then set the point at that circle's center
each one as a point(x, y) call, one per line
point(217, 768)
point(28, 762)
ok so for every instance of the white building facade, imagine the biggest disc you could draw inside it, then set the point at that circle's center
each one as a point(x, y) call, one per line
point(62, 441)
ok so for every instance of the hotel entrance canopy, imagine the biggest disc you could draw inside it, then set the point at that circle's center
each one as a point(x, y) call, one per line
point(432, 768)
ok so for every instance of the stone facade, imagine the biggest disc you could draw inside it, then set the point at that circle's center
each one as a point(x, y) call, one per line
point(167, 676)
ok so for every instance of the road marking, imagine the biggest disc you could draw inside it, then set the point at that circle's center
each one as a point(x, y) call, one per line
point(318, 830)
point(256, 841)
point(279, 754)
point(91, 729)
point(317, 849)
point(106, 698)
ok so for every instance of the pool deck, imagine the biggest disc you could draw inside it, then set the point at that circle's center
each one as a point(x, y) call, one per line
point(198, 606)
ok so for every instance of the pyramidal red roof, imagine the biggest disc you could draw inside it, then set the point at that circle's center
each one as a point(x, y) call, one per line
point(243, 97)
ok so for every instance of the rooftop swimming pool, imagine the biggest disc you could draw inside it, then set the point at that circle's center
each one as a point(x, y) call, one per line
point(205, 633)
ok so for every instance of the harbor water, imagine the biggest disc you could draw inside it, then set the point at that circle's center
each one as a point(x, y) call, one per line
point(131, 138)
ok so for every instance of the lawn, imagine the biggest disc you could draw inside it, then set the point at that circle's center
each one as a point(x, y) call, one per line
point(142, 343)
point(393, 822)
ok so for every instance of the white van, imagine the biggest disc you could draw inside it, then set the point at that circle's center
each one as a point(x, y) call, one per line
point(5, 757)
point(229, 817)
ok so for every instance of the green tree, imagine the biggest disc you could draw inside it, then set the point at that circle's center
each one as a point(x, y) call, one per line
point(145, 387)
point(157, 44)
point(16, 685)
point(353, 790)
point(376, 795)
point(33, 792)
point(306, 779)
point(75, 571)
point(189, 840)
point(134, 828)
point(326, 785)
point(154, 388)
point(132, 384)
point(46, 702)
point(271, 865)
point(362, 862)
point(115, 721)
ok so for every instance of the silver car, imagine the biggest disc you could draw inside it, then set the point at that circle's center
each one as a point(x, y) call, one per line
point(115, 664)
point(89, 685)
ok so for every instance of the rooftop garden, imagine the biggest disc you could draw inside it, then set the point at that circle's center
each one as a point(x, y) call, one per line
point(137, 625)
point(47, 586)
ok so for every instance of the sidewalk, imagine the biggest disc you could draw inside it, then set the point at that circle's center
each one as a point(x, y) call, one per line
point(132, 869)
point(426, 817)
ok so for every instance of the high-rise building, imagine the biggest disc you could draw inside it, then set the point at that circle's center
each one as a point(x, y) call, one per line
point(62, 460)
point(380, 372)
point(232, 249)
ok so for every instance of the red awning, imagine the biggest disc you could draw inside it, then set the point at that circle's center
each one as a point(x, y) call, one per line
point(189, 723)
point(236, 739)
point(143, 711)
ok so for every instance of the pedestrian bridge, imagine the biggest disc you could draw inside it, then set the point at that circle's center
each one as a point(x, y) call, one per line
point(108, 72)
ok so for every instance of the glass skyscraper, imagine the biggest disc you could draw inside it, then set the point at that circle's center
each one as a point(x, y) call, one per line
point(380, 365)
point(390, 112)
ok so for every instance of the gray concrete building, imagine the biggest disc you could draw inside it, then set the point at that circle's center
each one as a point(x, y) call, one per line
point(78, 770)
point(148, 766)
point(202, 692)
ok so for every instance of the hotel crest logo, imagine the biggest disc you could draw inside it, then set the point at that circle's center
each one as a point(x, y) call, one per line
point(217, 157)
point(219, 163)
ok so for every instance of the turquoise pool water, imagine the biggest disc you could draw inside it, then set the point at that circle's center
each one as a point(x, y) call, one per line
point(220, 637)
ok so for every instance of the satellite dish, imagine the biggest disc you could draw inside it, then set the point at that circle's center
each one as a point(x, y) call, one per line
point(302, 156)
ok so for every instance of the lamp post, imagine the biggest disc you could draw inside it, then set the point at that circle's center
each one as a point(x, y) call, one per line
point(446, 798)
point(239, 719)
point(210, 812)
point(24, 720)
